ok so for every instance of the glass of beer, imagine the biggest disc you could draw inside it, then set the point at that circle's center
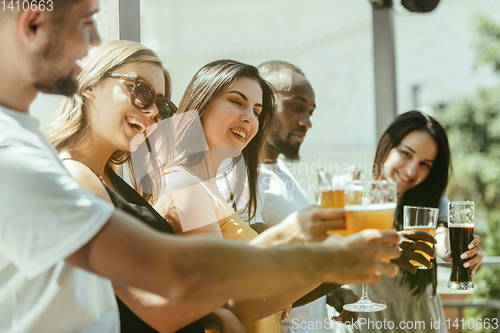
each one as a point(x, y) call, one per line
point(332, 192)
point(331, 196)
point(369, 205)
point(461, 229)
point(420, 219)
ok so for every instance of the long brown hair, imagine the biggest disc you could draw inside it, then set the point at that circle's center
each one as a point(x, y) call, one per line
point(205, 85)
point(426, 194)
point(69, 124)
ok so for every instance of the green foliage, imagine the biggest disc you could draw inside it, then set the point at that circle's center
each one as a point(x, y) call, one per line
point(489, 43)
point(473, 128)
point(487, 281)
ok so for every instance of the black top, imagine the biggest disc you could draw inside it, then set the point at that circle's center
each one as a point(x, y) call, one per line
point(128, 200)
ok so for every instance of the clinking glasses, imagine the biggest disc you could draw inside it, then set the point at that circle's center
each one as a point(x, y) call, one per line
point(144, 95)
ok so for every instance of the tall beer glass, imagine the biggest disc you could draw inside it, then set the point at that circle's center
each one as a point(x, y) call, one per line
point(369, 205)
point(420, 219)
point(461, 228)
point(332, 192)
point(332, 196)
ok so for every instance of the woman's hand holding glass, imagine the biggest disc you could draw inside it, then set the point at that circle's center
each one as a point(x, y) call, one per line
point(413, 241)
point(310, 225)
point(316, 222)
point(474, 255)
point(420, 224)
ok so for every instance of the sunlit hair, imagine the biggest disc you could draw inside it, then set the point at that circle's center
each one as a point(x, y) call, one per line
point(427, 193)
point(269, 68)
point(205, 85)
point(69, 124)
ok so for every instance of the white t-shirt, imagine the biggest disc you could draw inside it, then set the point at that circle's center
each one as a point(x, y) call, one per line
point(45, 216)
point(443, 209)
point(278, 196)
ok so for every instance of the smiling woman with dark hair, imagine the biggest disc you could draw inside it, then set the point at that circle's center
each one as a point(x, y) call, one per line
point(414, 152)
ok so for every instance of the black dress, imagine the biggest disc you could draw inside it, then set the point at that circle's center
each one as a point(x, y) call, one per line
point(128, 200)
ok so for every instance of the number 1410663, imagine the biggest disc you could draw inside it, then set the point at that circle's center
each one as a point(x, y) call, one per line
point(25, 5)
point(472, 323)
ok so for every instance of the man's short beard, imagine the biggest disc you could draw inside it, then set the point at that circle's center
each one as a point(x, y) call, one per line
point(48, 81)
point(63, 86)
point(291, 152)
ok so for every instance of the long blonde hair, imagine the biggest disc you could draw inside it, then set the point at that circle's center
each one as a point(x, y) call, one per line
point(70, 122)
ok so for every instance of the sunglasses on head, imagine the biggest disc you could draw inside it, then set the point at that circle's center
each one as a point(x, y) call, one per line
point(144, 95)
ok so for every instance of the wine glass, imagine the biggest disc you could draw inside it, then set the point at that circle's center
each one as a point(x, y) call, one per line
point(369, 205)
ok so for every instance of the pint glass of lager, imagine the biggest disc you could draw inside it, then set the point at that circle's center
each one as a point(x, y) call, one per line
point(461, 228)
point(332, 194)
point(420, 219)
point(332, 186)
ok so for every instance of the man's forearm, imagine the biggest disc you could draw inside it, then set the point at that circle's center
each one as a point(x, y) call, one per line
point(205, 269)
point(196, 268)
point(254, 309)
point(162, 314)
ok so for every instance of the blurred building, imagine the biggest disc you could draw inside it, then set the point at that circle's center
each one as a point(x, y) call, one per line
point(331, 41)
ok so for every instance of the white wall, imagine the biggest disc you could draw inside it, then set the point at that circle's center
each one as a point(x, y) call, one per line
point(331, 41)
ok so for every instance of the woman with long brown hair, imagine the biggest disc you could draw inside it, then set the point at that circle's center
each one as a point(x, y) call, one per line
point(225, 114)
point(414, 152)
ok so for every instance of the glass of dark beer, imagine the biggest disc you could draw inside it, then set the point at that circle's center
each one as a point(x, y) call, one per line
point(461, 228)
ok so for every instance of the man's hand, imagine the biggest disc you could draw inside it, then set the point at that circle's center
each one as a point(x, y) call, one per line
point(411, 242)
point(358, 258)
point(306, 226)
point(315, 221)
point(338, 299)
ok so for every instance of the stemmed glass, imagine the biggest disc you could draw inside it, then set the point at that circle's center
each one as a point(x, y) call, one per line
point(369, 205)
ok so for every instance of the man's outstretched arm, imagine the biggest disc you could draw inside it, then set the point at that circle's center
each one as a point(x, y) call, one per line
point(202, 268)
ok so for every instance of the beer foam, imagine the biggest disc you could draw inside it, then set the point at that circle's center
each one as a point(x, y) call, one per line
point(461, 225)
point(382, 206)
